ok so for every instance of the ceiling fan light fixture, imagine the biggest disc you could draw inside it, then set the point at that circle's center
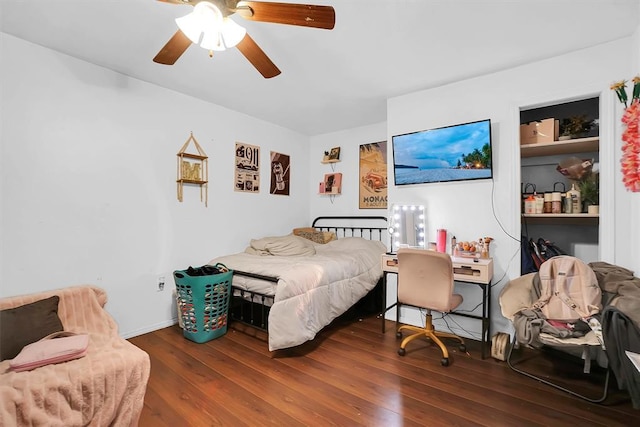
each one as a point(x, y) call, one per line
point(195, 23)
point(212, 40)
point(232, 33)
point(207, 27)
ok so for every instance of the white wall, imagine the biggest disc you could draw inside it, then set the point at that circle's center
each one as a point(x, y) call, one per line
point(349, 142)
point(88, 183)
point(88, 173)
point(474, 209)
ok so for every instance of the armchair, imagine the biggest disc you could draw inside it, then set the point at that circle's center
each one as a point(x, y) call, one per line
point(518, 295)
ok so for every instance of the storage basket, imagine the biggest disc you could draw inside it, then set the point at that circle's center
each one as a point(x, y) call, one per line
point(203, 303)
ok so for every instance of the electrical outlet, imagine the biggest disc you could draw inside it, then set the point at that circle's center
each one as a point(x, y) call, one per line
point(161, 283)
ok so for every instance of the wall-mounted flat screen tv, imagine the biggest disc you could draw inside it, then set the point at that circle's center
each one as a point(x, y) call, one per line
point(452, 153)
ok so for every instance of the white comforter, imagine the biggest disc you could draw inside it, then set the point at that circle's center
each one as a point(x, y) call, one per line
point(313, 290)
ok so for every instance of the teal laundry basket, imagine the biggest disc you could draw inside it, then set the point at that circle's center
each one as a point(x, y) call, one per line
point(203, 301)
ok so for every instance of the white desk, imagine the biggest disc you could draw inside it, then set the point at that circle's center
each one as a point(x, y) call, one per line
point(478, 272)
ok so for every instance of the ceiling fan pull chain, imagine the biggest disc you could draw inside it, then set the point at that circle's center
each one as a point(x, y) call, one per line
point(210, 54)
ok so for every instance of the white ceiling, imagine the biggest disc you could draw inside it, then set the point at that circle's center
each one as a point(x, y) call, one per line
point(331, 80)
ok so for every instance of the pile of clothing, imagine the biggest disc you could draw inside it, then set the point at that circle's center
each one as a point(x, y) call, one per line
point(621, 323)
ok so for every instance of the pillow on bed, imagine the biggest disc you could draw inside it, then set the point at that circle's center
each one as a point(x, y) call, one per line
point(314, 235)
point(26, 324)
point(281, 246)
point(318, 236)
point(299, 230)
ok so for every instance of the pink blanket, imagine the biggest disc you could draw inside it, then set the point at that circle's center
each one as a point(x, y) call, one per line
point(106, 387)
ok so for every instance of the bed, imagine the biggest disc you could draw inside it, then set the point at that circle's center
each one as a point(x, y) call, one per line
point(292, 286)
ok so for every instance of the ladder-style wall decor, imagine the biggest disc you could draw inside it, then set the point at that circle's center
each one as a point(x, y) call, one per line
point(195, 171)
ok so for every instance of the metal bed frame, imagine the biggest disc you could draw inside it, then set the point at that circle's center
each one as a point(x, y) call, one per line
point(252, 308)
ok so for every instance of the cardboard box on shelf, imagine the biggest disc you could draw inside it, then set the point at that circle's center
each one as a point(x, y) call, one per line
point(541, 131)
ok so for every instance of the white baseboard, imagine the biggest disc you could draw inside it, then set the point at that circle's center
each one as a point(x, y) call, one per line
point(150, 328)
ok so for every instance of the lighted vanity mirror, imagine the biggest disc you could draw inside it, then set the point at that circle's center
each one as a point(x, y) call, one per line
point(406, 226)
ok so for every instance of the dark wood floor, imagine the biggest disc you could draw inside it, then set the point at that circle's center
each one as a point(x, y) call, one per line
point(351, 375)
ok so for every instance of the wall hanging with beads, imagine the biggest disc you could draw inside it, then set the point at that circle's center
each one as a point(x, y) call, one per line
point(193, 168)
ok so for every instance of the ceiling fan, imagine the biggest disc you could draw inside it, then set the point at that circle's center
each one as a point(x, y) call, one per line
point(210, 27)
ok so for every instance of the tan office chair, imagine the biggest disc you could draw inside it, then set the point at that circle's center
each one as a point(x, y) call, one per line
point(425, 280)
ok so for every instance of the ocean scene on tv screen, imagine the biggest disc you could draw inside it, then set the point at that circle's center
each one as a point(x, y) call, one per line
point(454, 153)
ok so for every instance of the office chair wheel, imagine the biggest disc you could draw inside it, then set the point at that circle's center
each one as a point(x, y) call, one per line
point(398, 335)
point(444, 361)
point(462, 348)
point(401, 351)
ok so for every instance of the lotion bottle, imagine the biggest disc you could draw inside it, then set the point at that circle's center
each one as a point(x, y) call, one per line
point(576, 202)
point(539, 206)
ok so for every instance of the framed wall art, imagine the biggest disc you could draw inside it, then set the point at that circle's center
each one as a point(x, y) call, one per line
point(373, 176)
point(331, 156)
point(247, 168)
point(280, 174)
point(331, 184)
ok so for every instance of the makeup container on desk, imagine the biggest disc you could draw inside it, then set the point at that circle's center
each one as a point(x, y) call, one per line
point(441, 240)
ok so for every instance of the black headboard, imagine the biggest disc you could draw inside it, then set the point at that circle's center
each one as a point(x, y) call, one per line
point(367, 227)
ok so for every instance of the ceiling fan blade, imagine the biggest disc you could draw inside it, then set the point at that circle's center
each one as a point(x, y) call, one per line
point(174, 48)
point(304, 15)
point(257, 57)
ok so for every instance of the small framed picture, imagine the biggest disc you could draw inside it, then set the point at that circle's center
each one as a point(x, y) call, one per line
point(332, 183)
point(332, 156)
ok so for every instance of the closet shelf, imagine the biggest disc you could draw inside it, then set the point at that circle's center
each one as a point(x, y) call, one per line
point(562, 219)
point(562, 215)
point(579, 145)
